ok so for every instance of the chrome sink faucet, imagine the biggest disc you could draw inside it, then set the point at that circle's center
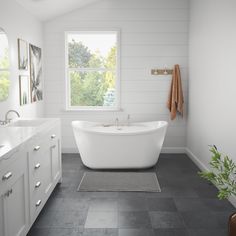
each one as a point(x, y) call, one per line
point(7, 120)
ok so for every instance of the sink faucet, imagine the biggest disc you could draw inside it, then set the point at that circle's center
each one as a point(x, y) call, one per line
point(7, 120)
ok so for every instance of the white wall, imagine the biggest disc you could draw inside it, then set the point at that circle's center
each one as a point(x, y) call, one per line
point(153, 33)
point(212, 79)
point(18, 23)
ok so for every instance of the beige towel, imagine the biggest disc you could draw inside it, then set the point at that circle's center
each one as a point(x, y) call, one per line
point(176, 99)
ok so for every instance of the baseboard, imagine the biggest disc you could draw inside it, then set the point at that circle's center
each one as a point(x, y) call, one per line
point(203, 167)
point(196, 160)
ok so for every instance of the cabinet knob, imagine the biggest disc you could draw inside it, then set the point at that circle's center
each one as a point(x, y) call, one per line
point(37, 185)
point(37, 166)
point(36, 148)
point(7, 176)
point(53, 136)
point(38, 203)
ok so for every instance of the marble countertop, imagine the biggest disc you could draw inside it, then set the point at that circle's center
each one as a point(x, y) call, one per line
point(20, 131)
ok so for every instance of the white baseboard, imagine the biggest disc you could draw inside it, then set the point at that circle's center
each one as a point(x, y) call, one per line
point(196, 160)
point(203, 167)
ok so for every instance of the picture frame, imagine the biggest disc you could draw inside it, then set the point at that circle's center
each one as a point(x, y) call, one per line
point(24, 89)
point(23, 58)
point(36, 86)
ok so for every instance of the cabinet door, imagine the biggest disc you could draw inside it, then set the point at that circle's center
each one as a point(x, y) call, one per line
point(15, 207)
point(56, 160)
point(2, 216)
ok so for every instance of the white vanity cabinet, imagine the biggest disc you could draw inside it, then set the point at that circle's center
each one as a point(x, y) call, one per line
point(44, 168)
point(14, 217)
point(27, 178)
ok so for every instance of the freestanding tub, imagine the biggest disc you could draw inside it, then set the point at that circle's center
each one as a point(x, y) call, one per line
point(137, 145)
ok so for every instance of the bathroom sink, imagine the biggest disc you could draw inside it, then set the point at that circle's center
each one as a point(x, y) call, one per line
point(27, 123)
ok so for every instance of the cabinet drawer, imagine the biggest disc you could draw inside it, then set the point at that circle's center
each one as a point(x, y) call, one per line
point(37, 203)
point(53, 134)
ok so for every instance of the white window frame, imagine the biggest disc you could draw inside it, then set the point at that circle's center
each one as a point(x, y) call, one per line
point(117, 72)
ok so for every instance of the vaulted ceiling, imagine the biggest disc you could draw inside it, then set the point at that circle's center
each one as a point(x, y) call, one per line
point(49, 9)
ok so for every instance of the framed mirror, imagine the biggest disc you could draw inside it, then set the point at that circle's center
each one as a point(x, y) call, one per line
point(4, 66)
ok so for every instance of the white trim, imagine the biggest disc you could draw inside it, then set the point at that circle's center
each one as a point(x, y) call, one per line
point(117, 106)
point(196, 160)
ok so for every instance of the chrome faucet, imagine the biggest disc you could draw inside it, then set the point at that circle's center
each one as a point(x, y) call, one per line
point(7, 120)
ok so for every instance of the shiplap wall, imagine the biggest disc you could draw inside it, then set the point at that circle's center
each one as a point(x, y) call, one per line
point(154, 33)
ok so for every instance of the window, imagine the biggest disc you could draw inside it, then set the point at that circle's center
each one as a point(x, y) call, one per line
point(92, 70)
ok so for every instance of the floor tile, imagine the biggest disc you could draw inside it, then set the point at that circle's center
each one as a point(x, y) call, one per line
point(218, 205)
point(101, 219)
point(38, 232)
point(207, 232)
point(138, 219)
point(166, 220)
point(136, 232)
point(61, 219)
point(63, 232)
point(202, 204)
point(100, 232)
point(206, 219)
point(66, 204)
point(132, 204)
point(170, 232)
point(103, 204)
point(161, 204)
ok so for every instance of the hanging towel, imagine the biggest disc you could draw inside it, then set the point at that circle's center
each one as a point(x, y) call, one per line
point(176, 99)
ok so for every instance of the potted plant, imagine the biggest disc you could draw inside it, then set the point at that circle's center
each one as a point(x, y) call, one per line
point(223, 176)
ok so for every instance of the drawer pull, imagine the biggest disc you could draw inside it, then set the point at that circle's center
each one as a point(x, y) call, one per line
point(7, 176)
point(37, 185)
point(36, 148)
point(37, 166)
point(38, 203)
point(53, 136)
point(54, 146)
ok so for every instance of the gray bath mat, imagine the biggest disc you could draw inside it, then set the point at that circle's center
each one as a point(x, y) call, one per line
point(119, 181)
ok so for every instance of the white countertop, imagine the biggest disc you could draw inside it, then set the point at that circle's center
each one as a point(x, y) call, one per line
point(13, 136)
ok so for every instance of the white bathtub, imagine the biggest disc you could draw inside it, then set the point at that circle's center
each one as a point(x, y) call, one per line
point(135, 146)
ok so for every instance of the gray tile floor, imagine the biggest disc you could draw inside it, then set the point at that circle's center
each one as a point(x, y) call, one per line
point(187, 205)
